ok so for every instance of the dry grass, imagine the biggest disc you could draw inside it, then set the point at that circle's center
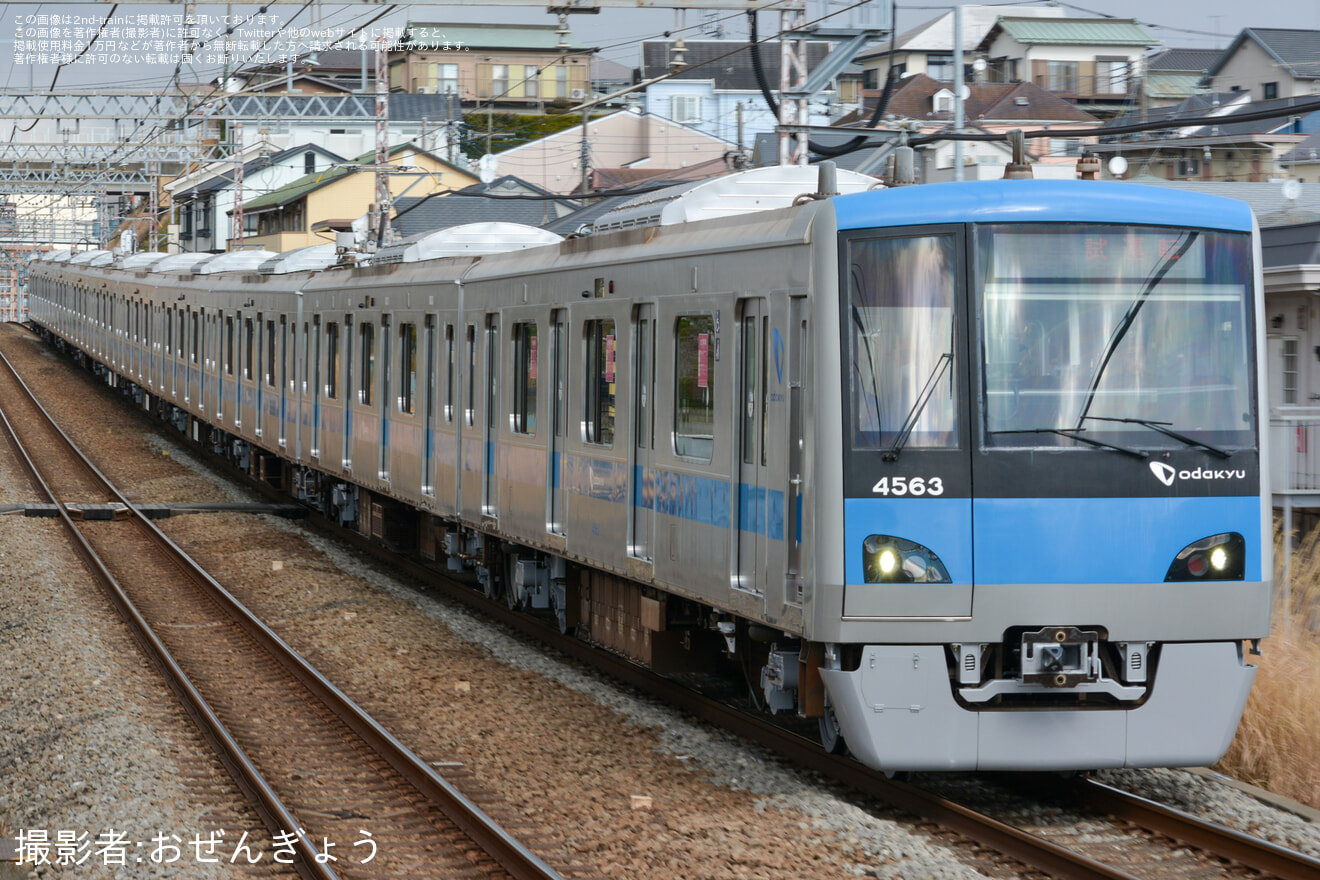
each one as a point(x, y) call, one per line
point(1278, 744)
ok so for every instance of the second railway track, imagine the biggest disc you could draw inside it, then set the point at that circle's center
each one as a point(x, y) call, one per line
point(331, 785)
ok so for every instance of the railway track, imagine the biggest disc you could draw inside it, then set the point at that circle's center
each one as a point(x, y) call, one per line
point(338, 795)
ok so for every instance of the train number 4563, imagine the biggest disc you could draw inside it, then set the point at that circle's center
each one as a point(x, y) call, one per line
point(909, 486)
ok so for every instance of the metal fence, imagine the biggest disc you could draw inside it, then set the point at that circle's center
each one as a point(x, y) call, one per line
point(1294, 438)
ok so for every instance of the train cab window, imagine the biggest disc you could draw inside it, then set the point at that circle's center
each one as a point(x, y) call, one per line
point(524, 378)
point(368, 373)
point(332, 360)
point(270, 352)
point(694, 393)
point(248, 333)
point(900, 335)
point(598, 418)
point(408, 368)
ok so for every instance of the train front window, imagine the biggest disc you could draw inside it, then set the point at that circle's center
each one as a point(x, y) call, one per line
point(899, 328)
point(1114, 333)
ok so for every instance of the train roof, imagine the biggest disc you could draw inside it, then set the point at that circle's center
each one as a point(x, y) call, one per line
point(234, 261)
point(467, 240)
point(760, 189)
point(303, 259)
point(141, 260)
point(1041, 201)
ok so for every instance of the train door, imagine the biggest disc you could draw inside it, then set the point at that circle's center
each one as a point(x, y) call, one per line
point(554, 484)
point(643, 447)
point(316, 389)
point(347, 457)
point(490, 486)
point(428, 419)
point(753, 475)
point(797, 357)
point(387, 365)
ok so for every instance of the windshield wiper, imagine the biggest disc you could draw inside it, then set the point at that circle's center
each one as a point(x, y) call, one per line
point(915, 413)
point(1160, 426)
point(1076, 434)
point(1130, 317)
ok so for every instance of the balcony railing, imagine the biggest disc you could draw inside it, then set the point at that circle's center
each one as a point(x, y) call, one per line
point(1294, 438)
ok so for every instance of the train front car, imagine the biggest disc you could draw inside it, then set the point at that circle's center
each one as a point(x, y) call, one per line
point(1054, 537)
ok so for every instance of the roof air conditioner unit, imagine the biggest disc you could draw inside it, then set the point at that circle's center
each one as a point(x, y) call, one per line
point(423, 90)
point(579, 94)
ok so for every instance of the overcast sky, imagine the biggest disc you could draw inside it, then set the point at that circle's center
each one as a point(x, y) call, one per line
point(1177, 23)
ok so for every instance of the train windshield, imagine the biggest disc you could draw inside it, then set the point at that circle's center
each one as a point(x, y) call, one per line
point(1127, 334)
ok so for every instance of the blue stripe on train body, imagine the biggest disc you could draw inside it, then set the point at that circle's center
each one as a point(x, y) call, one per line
point(1052, 540)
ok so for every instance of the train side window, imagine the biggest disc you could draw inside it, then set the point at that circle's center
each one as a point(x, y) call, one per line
point(270, 353)
point(408, 368)
point(524, 378)
point(694, 392)
point(470, 413)
point(196, 335)
point(368, 373)
point(229, 344)
point(178, 340)
point(598, 419)
point(449, 373)
point(247, 348)
point(332, 360)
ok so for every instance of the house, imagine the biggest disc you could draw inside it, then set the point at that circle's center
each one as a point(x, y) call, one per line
point(1269, 63)
point(1302, 162)
point(204, 199)
point(482, 202)
point(293, 215)
point(1096, 62)
point(1224, 149)
point(345, 123)
point(928, 47)
point(329, 72)
point(991, 108)
point(716, 91)
point(627, 139)
point(1174, 75)
point(515, 67)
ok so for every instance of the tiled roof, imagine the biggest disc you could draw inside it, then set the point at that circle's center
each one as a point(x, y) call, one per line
point(1183, 60)
point(1307, 151)
point(1223, 106)
point(1170, 86)
point(1296, 50)
point(913, 99)
point(225, 179)
point(936, 35)
point(440, 211)
point(1077, 31)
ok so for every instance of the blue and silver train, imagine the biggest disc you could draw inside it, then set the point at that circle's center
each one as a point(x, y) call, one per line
point(970, 473)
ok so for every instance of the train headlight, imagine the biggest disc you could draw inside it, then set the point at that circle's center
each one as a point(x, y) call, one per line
point(1216, 558)
point(890, 560)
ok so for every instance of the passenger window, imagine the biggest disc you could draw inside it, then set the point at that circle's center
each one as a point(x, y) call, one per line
point(598, 420)
point(449, 372)
point(332, 360)
point(408, 367)
point(247, 348)
point(694, 394)
point(368, 372)
point(270, 353)
point(524, 378)
point(470, 410)
point(229, 344)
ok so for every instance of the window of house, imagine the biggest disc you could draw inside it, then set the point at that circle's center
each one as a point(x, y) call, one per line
point(1270, 91)
point(408, 367)
point(1111, 75)
point(598, 419)
point(940, 67)
point(1189, 166)
point(685, 108)
point(309, 162)
point(1065, 146)
point(871, 78)
point(943, 101)
point(444, 79)
point(1290, 370)
point(499, 80)
point(530, 74)
point(694, 387)
point(1061, 76)
point(561, 82)
point(524, 377)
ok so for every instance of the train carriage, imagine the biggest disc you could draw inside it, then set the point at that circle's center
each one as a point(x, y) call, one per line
point(970, 473)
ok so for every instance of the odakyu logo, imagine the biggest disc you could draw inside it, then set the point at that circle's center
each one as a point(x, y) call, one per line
point(1167, 474)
